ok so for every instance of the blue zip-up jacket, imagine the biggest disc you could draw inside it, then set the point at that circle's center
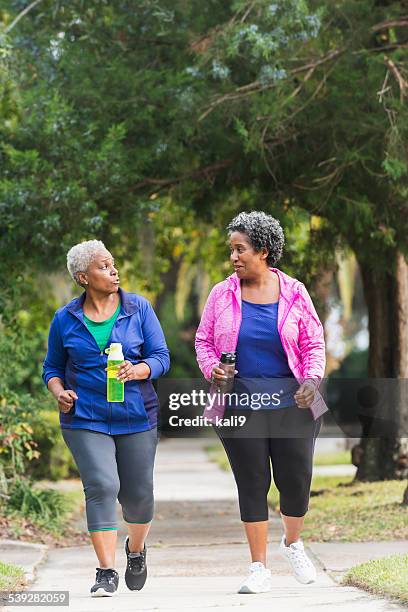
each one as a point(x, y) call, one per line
point(74, 356)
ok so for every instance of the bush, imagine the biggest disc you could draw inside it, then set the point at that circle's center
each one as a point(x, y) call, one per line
point(18, 416)
point(42, 506)
point(55, 461)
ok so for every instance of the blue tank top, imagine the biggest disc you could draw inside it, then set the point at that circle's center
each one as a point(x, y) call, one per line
point(261, 356)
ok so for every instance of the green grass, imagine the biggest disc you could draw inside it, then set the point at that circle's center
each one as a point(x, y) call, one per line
point(11, 576)
point(387, 576)
point(217, 454)
point(345, 511)
point(75, 499)
point(336, 458)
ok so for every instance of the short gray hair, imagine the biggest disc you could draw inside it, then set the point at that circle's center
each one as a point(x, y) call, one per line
point(263, 231)
point(81, 255)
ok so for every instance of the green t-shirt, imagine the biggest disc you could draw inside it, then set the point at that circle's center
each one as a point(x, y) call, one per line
point(101, 330)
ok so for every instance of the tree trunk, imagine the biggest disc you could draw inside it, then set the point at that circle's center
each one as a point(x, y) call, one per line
point(385, 456)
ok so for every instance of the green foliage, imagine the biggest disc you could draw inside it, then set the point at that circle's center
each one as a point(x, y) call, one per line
point(17, 443)
point(8, 90)
point(131, 104)
point(55, 461)
point(23, 326)
point(150, 129)
point(183, 365)
point(395, 168)
point(43, 506)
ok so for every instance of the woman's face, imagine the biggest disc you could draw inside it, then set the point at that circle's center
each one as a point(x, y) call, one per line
point(102, 275)
point(247, 262)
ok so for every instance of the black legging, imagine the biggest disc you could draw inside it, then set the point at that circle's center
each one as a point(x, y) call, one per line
point(286, 437)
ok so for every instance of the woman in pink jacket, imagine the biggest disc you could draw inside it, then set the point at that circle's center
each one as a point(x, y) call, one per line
point(269, 320)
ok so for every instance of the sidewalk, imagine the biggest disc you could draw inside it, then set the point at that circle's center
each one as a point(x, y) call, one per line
point(198, 555)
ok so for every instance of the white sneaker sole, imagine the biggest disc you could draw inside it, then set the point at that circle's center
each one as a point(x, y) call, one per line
point(293, 573)
point(245, 590)
point(102, 593)
point(302, 581)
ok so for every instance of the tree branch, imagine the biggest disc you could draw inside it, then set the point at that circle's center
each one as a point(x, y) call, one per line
point(22, 14)
point(395, 23)
point(206, 171)
point(256, 86)
point(403, 84)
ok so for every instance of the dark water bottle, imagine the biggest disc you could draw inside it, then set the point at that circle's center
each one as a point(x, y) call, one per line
point(227, 363)
point(220, 387)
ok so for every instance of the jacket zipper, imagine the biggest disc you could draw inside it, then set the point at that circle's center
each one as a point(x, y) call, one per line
point(101, 355)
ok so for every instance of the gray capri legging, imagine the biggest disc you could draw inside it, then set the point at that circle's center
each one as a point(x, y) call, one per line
point(114, 467)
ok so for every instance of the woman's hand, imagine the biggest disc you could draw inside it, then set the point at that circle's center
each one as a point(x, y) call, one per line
point(128, 371)
point(219, 374)
point(304, 396)
point(66, 400)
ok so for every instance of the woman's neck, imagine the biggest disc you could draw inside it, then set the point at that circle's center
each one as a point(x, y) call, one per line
point(261, 289)
point(260, 281)
point(100, 304)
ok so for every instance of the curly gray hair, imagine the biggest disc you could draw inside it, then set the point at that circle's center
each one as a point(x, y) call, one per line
point(263, 231)
point(81, 255)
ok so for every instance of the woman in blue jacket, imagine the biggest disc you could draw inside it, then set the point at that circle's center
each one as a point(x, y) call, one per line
point(113, 444)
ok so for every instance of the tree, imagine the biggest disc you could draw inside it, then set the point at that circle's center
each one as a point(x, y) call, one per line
point(221, 108)
point(313, 125)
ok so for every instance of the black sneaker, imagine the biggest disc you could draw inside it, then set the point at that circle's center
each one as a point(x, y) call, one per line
point(106, 584)
point(136, 568)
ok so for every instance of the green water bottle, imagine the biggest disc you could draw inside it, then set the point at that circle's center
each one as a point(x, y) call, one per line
point(115, 388)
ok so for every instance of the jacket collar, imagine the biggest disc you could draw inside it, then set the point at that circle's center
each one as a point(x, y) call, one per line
point(286, 282)
point(129, 303)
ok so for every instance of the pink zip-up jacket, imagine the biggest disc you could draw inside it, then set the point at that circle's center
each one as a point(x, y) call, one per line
point(299, 327)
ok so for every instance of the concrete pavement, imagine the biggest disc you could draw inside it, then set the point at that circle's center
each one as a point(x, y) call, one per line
point(198, 554)
point(28, 556)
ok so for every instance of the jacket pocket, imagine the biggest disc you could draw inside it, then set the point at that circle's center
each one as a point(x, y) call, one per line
point(135, 402)
point(83, 409)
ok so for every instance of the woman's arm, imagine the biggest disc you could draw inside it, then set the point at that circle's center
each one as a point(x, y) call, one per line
point(155, 360)
point(56, 386)
point(204, 341)
point(56, 358)
point(64, 397)
point(54, 369)
point(311, 340)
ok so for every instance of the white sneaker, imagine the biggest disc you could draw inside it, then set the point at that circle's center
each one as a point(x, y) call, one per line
point(258, 581)
point(302, 567)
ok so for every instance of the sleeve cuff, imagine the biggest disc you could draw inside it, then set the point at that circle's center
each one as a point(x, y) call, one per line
point(208, 371)
point(47, 377)
point(313, 381)
point(156, 368)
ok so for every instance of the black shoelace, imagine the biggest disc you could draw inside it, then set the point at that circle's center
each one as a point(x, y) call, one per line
point(105, 574)
point(136, 563)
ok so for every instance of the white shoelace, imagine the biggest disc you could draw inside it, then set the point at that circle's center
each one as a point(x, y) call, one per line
point(298, 556)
